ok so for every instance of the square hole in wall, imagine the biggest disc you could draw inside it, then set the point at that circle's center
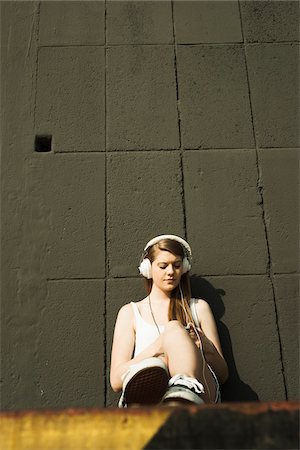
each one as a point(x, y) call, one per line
point(43, 143)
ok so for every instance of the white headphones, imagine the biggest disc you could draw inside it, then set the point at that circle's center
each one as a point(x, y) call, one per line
point(145, 266)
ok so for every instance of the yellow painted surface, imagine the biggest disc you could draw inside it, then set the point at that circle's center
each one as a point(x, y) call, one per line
point(66, 430)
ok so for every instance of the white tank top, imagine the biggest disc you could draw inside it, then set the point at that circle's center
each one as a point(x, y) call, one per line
point(146, 333)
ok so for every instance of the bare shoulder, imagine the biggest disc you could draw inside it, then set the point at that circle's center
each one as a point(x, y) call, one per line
point(141, 304)
point(202, 305)
point(125, 318)
point(203, 309)
point(125, 311)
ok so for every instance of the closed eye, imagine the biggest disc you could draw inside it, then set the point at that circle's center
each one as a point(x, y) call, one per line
point(164, 266)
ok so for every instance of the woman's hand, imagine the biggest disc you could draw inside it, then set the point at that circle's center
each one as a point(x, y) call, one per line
point(194, 336)
point(207, 345)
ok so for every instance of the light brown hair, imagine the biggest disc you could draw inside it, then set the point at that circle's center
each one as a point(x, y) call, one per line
point(176, 310)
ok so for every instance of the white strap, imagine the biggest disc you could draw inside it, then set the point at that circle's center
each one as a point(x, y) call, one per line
point(194, 312)
point(136, 313)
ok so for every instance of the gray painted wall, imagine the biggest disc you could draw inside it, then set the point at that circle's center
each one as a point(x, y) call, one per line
point(165, 117)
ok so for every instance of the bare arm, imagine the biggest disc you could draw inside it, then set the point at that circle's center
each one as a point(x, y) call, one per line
point(123, 346)
point(211, 342)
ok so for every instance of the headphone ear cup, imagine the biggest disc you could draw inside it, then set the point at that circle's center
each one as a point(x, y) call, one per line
point(186, 266)
point(145, 268)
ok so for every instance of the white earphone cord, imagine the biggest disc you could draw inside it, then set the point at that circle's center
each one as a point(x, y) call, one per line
point(188, 326)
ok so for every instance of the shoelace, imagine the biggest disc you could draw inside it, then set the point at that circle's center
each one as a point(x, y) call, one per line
point(189, 382)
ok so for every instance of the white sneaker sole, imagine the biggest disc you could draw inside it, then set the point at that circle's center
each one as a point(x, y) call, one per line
point(181, 393)
point(146, 382)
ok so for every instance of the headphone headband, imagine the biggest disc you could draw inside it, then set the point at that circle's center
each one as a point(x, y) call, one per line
point(174, 238)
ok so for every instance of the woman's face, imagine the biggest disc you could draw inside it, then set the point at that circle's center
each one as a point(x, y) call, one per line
point(166, 270)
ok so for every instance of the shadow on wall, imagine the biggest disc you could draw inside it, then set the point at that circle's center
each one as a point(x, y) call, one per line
point(234, 390)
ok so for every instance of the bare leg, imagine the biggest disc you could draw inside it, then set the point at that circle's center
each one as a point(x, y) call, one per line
point(184, 357)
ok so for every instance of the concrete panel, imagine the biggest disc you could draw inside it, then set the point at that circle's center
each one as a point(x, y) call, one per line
point(141, 98)
point(269, 21)
point(287, 300)
point(144, 200)
point(18, 55)
point(214, 97)
point(119, 292)
point(274, 79)
point(224, 217)
point(280, 181)
point(71, 23)
point(69, 192)
point(70, 98)
point(70, 347)
point(207, 21)
point(139, 22)
point(245, 314)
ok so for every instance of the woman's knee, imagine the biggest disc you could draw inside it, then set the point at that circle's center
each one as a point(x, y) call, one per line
point(174, 326)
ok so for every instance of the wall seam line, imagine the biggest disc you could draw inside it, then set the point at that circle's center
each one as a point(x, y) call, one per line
point(259, 186)
point(152, 150)
point(166, 44)
point(38, 11)
point(105, 212)
point(41, 307)
point(207, 275)
point(179, 123)
point(76, 279)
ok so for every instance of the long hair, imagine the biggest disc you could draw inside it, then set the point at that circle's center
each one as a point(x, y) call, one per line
point(182, 293)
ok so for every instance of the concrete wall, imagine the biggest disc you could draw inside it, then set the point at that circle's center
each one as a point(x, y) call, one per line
point(165, 117)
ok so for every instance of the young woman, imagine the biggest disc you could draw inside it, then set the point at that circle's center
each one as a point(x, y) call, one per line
point(166, 347)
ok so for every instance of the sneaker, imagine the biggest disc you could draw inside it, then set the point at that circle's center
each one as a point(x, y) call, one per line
point(184, 389)
point(144, 383)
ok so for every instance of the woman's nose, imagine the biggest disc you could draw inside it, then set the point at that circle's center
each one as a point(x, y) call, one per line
point(170, 269)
